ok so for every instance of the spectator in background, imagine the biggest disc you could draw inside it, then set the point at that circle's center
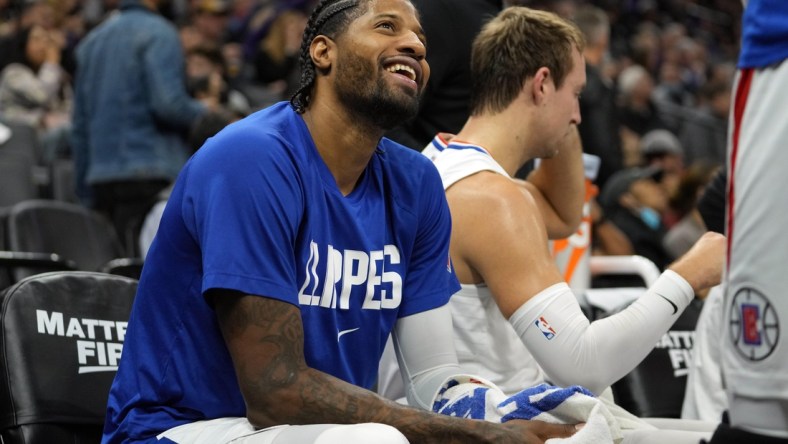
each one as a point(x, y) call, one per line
point(275, 57)
point(705, 131)
point(606, 238)
point(31, 86)
point(206, 77)
point(131, 114)
point(28, 14)
point(600, 130)
point(35, 89)
point(660, 148)
point(191, 37)
point(7, 19)
point(634, 201)
point(210, 18)
point(689, 226)
point(639, 113)
point(211, 24)
point(37, 12)
point(670, 90)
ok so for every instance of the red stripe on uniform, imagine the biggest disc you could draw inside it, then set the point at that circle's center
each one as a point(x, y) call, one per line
point(740, 102)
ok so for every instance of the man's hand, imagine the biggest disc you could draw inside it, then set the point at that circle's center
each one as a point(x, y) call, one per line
point(540, 431)
point(702, 265)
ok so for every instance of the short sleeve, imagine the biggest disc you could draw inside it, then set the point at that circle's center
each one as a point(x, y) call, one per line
point(242, 203)
point(430, 278)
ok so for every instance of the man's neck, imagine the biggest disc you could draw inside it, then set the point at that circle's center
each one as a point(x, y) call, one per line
point(345, 146)
point(501, 136)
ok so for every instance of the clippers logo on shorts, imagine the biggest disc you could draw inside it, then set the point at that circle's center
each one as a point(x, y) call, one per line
point(754, 326)
point(349, 272)
point(99, 342)
point(545, 328)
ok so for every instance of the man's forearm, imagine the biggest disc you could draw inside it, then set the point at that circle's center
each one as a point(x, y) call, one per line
point(265, 338)
point(316, 397)
point(560, 181)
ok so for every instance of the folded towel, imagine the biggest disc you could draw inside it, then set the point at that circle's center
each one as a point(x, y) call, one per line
point(473, 397)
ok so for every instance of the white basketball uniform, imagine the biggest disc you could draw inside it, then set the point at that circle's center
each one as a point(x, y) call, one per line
point(755, 356)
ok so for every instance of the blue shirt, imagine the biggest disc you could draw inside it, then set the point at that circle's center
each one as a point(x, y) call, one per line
point(257, 210)
point(764, 33)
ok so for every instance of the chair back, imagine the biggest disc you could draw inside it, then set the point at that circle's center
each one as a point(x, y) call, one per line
point(71, 231)
point(16, 179)
point(62, 336)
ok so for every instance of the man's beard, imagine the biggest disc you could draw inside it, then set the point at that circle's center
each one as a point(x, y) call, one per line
point(369, 97)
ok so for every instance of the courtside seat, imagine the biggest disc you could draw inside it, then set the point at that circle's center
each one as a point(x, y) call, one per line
point(61, 336)
point(73, 232)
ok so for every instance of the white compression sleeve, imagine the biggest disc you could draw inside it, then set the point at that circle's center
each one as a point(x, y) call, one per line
point(573, 351)
point(424, 345)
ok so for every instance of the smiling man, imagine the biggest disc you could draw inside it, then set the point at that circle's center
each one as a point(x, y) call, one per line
point(294, 242)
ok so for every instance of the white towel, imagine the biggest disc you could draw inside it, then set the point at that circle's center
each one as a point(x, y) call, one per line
point(473, 397)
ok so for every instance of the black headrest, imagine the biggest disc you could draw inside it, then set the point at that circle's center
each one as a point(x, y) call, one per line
point(61, 338)
point(72, 231)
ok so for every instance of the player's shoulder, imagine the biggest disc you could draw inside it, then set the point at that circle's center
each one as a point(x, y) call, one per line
point(256, 143)
point(406, 163)
point(402, 154)
point(497, 195)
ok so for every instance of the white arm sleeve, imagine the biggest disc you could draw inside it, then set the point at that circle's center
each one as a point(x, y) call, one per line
point(425, 351)
point(573, 351)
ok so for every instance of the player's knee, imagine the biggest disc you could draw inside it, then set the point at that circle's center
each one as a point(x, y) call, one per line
point(362, 433)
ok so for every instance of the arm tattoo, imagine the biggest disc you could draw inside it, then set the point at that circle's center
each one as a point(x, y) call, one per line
point(266, 340)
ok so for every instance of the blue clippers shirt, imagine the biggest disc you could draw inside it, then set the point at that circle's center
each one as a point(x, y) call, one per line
point(256, 210)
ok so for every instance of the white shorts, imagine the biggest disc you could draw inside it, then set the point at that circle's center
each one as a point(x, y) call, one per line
point(240, 431)
point(754, 351)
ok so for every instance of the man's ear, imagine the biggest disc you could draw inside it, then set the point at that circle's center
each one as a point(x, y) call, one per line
point(542, 85)
point(322, 51)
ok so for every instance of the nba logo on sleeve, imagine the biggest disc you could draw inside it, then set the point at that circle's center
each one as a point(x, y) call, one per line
point(545, 328)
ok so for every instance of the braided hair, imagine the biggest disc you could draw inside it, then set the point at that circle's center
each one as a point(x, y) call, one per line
point(329, 18)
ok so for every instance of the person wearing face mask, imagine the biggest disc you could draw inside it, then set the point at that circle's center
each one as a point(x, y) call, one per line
point(634, 201)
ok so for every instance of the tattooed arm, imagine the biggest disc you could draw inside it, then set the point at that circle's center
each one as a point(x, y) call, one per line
point(265, 338)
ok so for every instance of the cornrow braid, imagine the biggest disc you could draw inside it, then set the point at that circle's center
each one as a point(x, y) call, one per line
point(328, 18)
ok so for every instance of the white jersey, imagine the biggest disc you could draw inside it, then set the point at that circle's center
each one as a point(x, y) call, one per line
point(458, 160)
point(486, 342)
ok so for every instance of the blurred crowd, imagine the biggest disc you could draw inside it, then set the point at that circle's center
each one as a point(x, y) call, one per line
point(654, 110)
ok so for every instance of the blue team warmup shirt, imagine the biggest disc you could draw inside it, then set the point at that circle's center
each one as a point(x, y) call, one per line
point(257, 210)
